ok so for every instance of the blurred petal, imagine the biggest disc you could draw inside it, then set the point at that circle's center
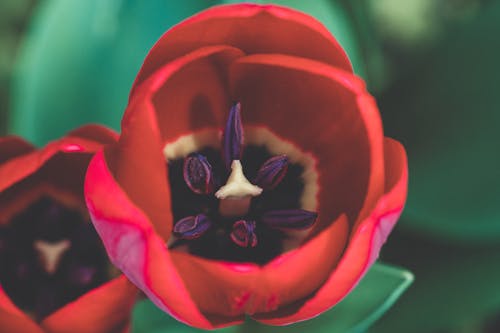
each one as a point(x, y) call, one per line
point(85, 140)
point(102, 310)
point(12, 146)
point(13, 320)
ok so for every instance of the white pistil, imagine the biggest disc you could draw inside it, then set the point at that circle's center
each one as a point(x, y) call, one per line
point(235, 197)
point(50, 254)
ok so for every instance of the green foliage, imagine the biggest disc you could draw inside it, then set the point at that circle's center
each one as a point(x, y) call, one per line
point(456, 286)
point(80, 59)
point(446, 115)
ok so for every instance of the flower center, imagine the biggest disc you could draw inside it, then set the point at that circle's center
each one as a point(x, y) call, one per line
point(239, 203)
point(49, 256)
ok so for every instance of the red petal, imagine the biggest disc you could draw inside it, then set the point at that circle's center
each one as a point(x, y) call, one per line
point(251, 28)
point(83, 140)
point(327, 113)
point(95, 132)
point(134, 247)
point(138, 165)
point(364, 245)
point(188, 93)
point(13, 320)
point(102, 310)
point(12, 146)
point(233, 289)
point(217, 287)
point(180, 97)
point(296, 274)
point(61, 165)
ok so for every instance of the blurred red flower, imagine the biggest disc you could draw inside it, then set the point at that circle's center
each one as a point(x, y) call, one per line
point(179, 242)
point(54, 272)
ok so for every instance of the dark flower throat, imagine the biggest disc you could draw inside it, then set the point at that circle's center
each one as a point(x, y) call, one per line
point(49, 256)
point(220, 223)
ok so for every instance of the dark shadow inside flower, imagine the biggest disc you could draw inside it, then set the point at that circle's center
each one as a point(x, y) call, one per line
point(204, 223)
point(50, 253)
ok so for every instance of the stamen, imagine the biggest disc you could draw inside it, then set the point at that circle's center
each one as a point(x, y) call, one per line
point(82, 276)
point(243, 233)
point(236, 195)
point(232, 139)
point(192, 227)
point(296, 219)
point(272, 172)
point(198, 175)
point(50, 254)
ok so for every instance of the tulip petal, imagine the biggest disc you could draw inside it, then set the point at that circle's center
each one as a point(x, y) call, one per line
point(363, 248)
point(85, 139)
point(102, 310)
point(181, 96)
point(232, 289)
point(189, 93)
point(298, 273)
point(95, 132)
point(251, 28)
point(14, 320)
point(329, 114)
point(35, 171)
point(139, 167)
point(12, 146)
point(134, 247)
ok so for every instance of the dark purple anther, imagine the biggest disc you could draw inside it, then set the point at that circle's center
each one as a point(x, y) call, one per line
point(243, 233)
point(297, 219)
point(198, 174)
point(272, 172)
point(82, 276)
point(232, 139)
point(192, 227)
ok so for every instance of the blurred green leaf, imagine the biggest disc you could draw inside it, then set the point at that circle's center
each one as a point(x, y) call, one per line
point(456, 286)
point(147, 318)
point(80, 59)
point(374, 295)
point(446, 114)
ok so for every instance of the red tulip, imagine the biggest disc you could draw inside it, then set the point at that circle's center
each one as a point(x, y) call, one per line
point(201, 238)
point(54, 272)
